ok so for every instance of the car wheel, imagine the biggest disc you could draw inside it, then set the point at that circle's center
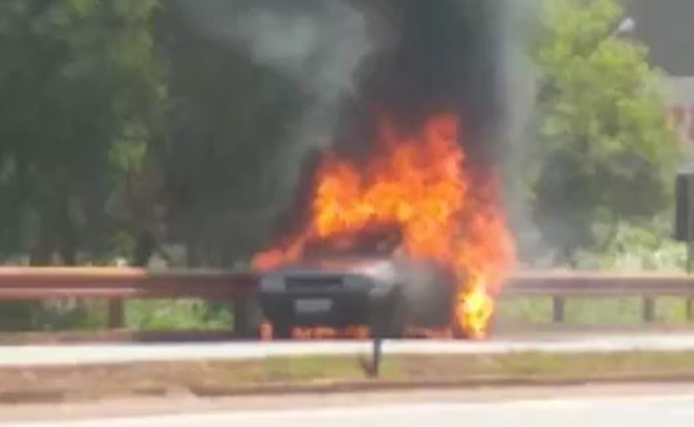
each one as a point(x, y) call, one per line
point(458, 330)
point(390, 320)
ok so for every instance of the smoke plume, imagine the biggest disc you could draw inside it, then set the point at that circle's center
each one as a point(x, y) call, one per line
point(409, 58)
point(437, 56)
point(318, 44)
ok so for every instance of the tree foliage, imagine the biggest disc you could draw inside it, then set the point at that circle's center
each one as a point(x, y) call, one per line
point(609, 153)
point(78, 101)
point(122, 126)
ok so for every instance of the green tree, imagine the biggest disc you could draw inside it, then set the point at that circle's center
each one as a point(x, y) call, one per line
point(608, 153)
point(81, 96)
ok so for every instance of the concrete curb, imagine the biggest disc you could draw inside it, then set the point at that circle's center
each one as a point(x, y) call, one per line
point(51, 396)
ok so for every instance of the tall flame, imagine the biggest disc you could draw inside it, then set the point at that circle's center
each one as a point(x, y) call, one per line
point(422, 183)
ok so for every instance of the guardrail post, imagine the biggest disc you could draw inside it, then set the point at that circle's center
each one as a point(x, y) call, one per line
point(558, 309)
point(115, 314)
point(248, 315)
point(240, 314)
point(648, 310)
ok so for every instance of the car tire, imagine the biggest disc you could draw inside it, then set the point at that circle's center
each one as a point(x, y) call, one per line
point(390, 320)
point(459, 333)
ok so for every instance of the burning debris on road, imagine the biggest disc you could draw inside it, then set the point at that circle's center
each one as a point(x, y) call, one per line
point(416, 148)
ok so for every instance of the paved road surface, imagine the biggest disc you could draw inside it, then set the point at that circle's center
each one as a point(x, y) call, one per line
point(124, 353)
point(672, 411)
point(189, 405)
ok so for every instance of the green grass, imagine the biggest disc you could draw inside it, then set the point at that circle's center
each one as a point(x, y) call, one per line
point(192, 314)
point(150, 315)
point(329, 373)
point(585, 311)
point(172, 314)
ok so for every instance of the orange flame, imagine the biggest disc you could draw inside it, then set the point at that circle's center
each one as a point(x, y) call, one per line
point(422, 183)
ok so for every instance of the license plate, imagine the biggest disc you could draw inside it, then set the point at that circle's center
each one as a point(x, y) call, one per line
point(313, 305)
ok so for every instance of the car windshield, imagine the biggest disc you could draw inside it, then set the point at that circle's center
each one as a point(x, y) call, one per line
point(371, 241)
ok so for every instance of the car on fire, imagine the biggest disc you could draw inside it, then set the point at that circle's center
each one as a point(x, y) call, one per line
point(364, 277)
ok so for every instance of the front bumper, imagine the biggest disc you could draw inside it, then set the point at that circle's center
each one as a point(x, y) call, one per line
point(351, 303)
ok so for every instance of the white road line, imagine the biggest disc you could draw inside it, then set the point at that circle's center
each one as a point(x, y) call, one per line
point(595, 412)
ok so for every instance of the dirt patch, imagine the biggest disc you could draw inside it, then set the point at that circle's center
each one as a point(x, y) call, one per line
point(322, 374)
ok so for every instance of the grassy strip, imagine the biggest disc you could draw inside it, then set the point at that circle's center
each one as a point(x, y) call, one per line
point(296, 374)
point(193, 314)
point(594, 311)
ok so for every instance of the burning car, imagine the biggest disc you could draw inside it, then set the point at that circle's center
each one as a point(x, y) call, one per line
point(356, 278)
point(413, 234)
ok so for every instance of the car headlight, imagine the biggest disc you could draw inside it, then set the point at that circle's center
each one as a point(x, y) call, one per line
point(380, 271)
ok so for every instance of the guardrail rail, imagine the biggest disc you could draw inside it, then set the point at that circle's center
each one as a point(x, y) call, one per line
point(119, 284)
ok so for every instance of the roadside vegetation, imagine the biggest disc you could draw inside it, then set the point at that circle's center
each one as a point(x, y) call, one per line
point(325, 374)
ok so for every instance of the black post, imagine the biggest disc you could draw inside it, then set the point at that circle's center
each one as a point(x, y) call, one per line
point(376, 320)
point(690, 256)
point(648, 310)
point(558, 309)
point(376, 356)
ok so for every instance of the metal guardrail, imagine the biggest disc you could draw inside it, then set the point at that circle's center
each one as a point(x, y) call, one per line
point(118, 284)
point(121, 283)
point(592, 284)
point(561, 286)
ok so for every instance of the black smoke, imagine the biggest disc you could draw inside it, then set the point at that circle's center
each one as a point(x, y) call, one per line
point(355, 58)
point(432, 56)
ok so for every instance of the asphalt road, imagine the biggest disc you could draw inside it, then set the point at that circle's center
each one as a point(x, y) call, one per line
point(46, 355)
point(575, 412)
